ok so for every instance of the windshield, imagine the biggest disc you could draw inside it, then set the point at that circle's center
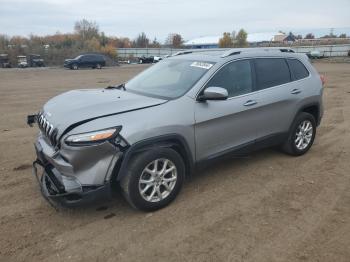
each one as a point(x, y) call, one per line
point(168, 78)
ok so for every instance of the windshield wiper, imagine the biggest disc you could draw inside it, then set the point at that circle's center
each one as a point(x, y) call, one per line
point(121, 86)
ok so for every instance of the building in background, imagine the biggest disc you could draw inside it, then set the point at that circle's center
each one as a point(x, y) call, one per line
point(203, 42)
point(253, 38)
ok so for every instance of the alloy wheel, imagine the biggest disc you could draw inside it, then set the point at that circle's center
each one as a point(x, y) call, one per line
point(158, 179)
point(303, 135)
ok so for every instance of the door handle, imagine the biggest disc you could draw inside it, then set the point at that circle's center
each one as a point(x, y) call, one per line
point(295, 91)
point(250, 103)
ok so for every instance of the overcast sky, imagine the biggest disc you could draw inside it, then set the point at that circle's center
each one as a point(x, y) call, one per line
point(191, 18)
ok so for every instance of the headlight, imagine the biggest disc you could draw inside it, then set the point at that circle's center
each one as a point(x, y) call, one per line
point(93, 137)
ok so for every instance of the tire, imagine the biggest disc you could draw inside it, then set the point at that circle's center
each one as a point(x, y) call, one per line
point(299, 139)
point(132, 186)
point(98, 66)
point(75, 67)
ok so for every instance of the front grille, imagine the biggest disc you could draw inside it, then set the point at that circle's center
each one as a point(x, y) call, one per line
point(47, 129)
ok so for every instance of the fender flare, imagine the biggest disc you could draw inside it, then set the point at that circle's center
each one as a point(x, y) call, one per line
point(316, 104)
point(167, 141)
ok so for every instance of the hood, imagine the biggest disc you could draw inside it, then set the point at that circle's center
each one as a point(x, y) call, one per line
point(79, 106)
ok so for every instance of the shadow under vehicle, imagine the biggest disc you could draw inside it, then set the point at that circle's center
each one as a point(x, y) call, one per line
point(22, 61)
point(35, 60)
point(4, 61)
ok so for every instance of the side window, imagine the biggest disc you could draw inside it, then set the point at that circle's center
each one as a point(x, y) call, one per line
point(298, 69)
point(271, 72)
point(84, 58)
point(236, 77)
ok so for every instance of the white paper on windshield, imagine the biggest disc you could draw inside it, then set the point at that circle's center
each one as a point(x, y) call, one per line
point(204, 65)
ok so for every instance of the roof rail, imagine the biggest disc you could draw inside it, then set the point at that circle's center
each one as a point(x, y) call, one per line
point(287, 50)
point(237, 51)
point(230, 52)
point(181, 53)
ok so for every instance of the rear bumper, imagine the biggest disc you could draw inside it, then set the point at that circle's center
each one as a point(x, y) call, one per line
point(68, 193)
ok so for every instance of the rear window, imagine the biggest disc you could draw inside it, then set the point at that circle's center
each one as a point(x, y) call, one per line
point(271, 72)
point(298, 69)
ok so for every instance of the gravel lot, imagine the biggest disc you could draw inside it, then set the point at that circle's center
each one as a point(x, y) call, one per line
point(265, 207)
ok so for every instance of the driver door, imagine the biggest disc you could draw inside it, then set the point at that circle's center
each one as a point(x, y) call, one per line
point(227, 125)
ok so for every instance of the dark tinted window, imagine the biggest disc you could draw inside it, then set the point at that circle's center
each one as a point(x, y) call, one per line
point(92, 58)
point(84, 58)
point(236, 77)
point(271, 72)
point(298, 69)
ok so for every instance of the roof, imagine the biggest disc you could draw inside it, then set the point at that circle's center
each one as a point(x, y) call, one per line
point(216, 55)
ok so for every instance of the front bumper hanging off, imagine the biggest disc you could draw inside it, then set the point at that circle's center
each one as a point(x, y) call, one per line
point(69, 195)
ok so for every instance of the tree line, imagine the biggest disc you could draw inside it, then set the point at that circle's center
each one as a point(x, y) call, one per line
point(86, 37)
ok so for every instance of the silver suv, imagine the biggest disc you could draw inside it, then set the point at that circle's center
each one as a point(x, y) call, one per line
point(147, 135)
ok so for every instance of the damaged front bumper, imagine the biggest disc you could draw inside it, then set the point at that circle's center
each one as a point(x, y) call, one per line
point(68, 192)
point(73, 176)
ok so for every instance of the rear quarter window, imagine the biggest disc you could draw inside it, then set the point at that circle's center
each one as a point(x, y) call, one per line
point(297, 69)
point(271, 72)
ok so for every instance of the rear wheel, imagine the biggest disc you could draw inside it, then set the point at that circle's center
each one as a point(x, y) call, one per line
point(154, 178)
point(301, 135)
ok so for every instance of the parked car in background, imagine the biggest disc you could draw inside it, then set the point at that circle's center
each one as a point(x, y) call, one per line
point(157, 59)
point(22, 61)
point(315, 54)
point(35, 60)
point(146, 60)
point(86, 61)
point(4, 61)
point(148, 134)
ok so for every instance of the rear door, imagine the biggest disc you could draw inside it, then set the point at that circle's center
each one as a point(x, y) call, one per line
point(226, 125)
point(278, 97)
point(84, 61)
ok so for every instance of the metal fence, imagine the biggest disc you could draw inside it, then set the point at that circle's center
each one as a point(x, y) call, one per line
point(139, 52)
point(326, 50)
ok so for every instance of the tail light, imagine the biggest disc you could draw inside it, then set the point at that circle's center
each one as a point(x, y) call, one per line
point(323, 79)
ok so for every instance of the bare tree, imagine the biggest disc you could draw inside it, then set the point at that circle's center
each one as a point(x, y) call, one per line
point(86, 29)
point(174, 40)
point(309, 36)
point(141, 41)
point(155, 43)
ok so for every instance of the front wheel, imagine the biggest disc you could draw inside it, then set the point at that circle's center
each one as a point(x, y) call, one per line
point(154, 178)
point(301, 135)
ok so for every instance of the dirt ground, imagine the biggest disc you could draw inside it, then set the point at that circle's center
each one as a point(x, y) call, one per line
point(265, 207)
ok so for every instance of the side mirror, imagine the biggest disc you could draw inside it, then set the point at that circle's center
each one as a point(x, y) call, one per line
point(213, 93)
